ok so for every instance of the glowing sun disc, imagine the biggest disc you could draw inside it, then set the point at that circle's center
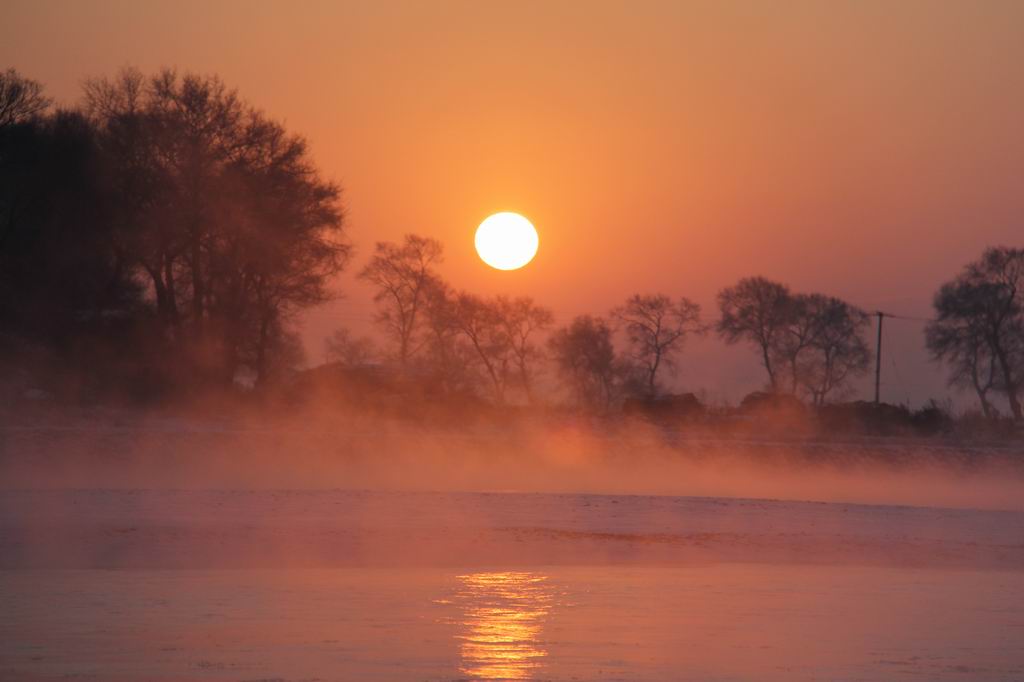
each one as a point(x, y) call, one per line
point(506, 241)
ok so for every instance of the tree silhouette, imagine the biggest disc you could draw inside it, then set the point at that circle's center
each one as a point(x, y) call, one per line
point(818, 340)
point(21, 99)
point(282, 240)
point(65, 289)
point(959, 340)
point(58, 265)
point(522, 320)
point(656, 328)
point(174, 185)
point(834, 348)
point(480, 323)
point(979, 325)
point(403, 275)
point(449, 360)
point(796, 339)
point(585, 359)
point(756, 310)
point(349, 350)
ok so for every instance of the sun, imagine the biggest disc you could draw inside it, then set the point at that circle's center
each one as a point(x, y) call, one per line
point(506, 241)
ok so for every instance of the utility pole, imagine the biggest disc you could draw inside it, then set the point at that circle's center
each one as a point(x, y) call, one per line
point(878, 358)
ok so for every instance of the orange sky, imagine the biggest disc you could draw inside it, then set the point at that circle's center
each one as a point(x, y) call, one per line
point(863, 149)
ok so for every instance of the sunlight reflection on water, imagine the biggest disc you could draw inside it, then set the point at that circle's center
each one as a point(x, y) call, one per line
point(502, 619)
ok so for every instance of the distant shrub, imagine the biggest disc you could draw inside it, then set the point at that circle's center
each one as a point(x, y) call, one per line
point(761, 402)
point(931, 419)
point(666, 408)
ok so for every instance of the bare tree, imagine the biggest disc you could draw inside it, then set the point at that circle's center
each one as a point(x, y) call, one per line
point(656, 328)
point(202, 126)
point(522, 319)
point(447, 355)
point(984, 304)
point(796, 339)
point(21, 99)
point(961, 344)
point(142, 183)
point(836, 349)
point(349, 350)
point(585, 358)
point(281, 240)
point(125, 94)
point(170, 139)
point(280, 350)
point(480, 322)
point(756, 310)
point(403, 275)
point(471, 340)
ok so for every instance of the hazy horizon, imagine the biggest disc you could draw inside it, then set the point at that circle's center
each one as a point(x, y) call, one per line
point(863, 150)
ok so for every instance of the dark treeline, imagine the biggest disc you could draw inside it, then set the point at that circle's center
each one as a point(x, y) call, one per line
point(159, 238)
point(812, 346)
point(463, 344)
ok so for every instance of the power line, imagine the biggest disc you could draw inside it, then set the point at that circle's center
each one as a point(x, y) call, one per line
point(910, 317)
point(881, 315)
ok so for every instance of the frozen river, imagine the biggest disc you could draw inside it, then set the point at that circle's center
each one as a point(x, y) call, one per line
point(720, 622)
point(130, 585)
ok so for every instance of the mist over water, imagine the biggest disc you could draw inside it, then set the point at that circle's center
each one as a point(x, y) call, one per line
point(338, 449)
point(328, 543)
